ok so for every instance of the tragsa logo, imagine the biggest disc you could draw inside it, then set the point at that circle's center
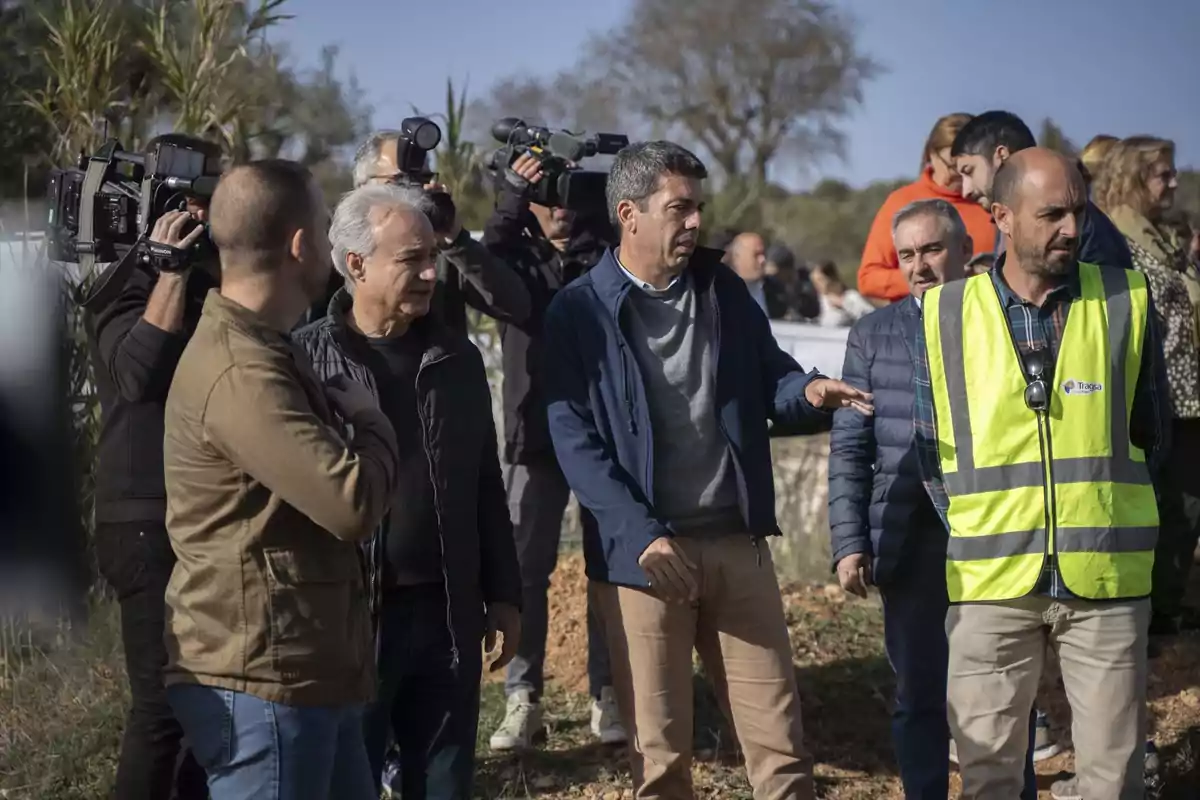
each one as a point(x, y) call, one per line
point(1074, 387)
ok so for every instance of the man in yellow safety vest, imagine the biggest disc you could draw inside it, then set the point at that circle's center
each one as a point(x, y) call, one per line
point(1035, 450)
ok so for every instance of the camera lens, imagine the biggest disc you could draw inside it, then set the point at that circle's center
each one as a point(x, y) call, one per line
point(426, 136)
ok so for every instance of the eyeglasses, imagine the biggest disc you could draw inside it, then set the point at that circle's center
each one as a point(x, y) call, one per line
point(1037, 395)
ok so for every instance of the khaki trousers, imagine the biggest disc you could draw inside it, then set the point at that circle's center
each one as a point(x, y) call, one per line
point(997, 654)
point(738, 628)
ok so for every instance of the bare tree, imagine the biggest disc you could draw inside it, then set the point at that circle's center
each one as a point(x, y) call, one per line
point(747, 81)
point(573, 99)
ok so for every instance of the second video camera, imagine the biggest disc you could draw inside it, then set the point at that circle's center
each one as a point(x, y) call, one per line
point(564, 183)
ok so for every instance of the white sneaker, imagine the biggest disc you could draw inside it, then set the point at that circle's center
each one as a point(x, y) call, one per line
point(606, 719)
point(522, 726)
point(953, 752)
point(1044, 745)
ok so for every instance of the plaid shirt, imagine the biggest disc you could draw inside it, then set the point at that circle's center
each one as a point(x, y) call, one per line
point(1035, 328)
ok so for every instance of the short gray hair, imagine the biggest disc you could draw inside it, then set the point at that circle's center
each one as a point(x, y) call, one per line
point(952, 223)
point(353, 230)
point(367, 154)
point(636, 171)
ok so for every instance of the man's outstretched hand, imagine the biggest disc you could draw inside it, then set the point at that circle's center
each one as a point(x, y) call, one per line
point(831, 394)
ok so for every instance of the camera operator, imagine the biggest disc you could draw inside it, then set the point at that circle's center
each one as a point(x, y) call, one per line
point(134, 344)
point(468, 274)
point(548, 248)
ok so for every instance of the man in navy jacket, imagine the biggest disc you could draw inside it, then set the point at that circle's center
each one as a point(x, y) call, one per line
point(885, 530)
point(661, 375)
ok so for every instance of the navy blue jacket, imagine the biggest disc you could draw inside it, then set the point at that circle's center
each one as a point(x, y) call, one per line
point(877, 501)
point(1100, 242)
point(600, 419)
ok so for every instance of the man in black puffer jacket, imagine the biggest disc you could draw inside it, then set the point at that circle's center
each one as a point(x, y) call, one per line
point(442, 568)
point(885, 529)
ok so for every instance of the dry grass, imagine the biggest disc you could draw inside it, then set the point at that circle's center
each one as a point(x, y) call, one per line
point(61, 716)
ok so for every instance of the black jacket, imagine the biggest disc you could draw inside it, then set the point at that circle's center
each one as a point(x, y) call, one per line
point(133, 363)
point(513, 235)
point(479, 557)
point(470, 275)
point(877, 502)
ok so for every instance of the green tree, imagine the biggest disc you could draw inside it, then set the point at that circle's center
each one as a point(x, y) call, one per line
point(1052, 136)
point(69, 69)
point(830, 222)
point(1187, 196)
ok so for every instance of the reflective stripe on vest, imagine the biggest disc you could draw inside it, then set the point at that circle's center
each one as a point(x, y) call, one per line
point(1022, 485)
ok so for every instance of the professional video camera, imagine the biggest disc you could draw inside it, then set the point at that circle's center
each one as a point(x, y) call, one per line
point(104, 210)
point(564, 183)
point(418, 137)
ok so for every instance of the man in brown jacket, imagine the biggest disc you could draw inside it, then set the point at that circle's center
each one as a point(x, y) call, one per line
point(267, 625)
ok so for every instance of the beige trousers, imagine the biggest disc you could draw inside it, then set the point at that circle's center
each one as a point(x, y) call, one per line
point(738, 628)
point(997, 654)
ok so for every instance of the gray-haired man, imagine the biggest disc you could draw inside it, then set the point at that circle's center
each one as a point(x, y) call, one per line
point(467, 273)
point(442, 566)
point(885, 530)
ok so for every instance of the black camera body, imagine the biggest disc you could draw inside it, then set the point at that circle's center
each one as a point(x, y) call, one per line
point(564, 183)
point(418, 137)
point(104, 209)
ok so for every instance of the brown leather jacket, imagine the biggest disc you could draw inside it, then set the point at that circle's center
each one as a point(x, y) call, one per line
point(265, 501)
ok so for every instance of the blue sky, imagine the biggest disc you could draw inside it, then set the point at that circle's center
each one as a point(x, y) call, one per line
point(1112, 66)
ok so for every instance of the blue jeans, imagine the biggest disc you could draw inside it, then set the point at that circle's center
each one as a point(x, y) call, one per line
point(426, 700)
point(914, 617)
point(252, 748)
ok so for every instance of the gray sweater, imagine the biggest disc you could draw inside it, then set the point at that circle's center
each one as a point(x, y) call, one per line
point(670, 332)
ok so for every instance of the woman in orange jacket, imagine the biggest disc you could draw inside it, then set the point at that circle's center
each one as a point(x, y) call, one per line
point(879, 275)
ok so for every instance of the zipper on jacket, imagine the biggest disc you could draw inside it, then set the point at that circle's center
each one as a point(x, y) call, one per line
point(627, 392)
point(1047, 447)
point(375, 546)
point(437, 508)
point(627, 385)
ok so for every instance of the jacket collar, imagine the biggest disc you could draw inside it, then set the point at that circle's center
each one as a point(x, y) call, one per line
point(612, 284)
point(222, 309)
point(439, 340)
point(1146, 235)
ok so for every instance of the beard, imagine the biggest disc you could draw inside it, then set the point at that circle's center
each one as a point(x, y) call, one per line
point(1045, 262)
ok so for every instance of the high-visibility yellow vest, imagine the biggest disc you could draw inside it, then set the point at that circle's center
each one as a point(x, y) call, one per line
point(1023, 485)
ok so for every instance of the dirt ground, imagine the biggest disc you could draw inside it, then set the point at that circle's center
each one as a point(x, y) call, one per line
point(846, 686)
point(62, 710)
